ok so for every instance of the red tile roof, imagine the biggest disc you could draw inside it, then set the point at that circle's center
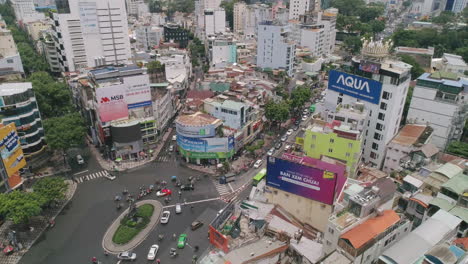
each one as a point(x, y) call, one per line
point(409, 134)
point(371, 228)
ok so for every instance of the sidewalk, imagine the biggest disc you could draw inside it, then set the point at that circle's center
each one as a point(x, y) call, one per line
point(111, 247)
point(39, 225)
point(126, 165)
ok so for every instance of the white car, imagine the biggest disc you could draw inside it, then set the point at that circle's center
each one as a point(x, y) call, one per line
point(165, 217)
point(287, 147)
point(126, 256)
point(290, 131)
point(152, 252)
point(110, 176)
point(171, 148)
point(271, 152)
point(304, 118)
point(174, 137)
point(257, 164)
point(284, 138)
point(79, 160)
point(178, 208)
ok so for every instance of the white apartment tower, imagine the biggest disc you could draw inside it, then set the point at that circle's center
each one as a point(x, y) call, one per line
point(148, 36)
point(240, 14)
point(382, 85)
point(215, 21)
point(91, 33)
point(132, 6)
point(300, 7)
point(274, 50)
point(25, 10)
point(440, 100)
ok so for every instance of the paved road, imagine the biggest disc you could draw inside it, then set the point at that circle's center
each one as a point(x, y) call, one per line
point(78, 233)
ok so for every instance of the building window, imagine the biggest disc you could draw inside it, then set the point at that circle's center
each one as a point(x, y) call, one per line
point(313, 137)
point(347, 154)
point(381, 116)
point(383, 106)
point(350, 145)
point(312, 146)
point(9, 60)
point(377, 136)
point(330, 150)
point(379, 127)
point(328, 243)
point(332, 140)
point(386, 95)
point(374, 155)
point(375, 146)
point(331, 231)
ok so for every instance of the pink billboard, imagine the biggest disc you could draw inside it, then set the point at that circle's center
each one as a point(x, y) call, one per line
point(317, 183)
point(111, 103)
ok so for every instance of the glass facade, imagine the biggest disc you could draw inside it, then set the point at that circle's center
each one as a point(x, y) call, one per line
point(22, 110)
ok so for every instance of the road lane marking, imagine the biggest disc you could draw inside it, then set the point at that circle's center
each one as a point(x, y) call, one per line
point(229, 184)
point(193, 202)
point(80, 172)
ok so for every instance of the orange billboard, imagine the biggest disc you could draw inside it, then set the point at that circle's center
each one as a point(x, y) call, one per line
point(10, 149)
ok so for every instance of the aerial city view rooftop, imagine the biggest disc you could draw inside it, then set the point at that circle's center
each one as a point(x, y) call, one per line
point(234, 131)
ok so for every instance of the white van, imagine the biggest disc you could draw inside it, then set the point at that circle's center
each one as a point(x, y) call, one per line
point(178, 208)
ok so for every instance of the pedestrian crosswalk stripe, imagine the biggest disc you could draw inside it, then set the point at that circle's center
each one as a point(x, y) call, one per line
point(92, 176)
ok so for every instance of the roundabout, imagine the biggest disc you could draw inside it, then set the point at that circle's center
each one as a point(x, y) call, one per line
point(121, 232)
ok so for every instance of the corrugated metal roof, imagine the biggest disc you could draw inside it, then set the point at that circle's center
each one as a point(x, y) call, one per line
point(371, 228)
point(449, 170)
point(457, 184)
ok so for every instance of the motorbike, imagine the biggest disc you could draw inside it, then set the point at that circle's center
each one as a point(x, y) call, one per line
point(160, 237)
point(173, 252)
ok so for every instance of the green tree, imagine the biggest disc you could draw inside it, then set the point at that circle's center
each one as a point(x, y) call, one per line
point(184, 6)
point(349, 7)
point(416, 70)
point(155, 6)
point(53, 97)
point(444, 18)
point(20, 206)
point(154, 66)
point(64, 132)
point(299, 97)
point(8, 13)
point(353, 44)
point(459, 149)
point(277, 112)
point(229, 9)
point(463, 51)
point(377, 26)
point(51, 189)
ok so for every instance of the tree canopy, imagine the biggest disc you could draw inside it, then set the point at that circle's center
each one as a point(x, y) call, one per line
point(277, 112)
point(53, 97)
point(20, 206)
point(299, 97)
point(459, 149)
point(447, 40)
point(51, 189)
point(65, 131)
point(229, 9)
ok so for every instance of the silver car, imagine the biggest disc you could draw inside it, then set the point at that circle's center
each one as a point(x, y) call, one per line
point(127, 255)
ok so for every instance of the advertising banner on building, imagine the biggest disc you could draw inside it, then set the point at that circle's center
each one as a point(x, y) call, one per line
point(369, 66)
point(88, 17)
point(206, 144)
point(206, 155)
point(111, 103)
point(196, 131)
point(355, 86)
point(302, 180)
point(137, 91)
point(10, 149)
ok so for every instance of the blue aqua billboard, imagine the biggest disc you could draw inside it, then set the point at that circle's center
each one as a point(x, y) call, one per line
point(355, 86)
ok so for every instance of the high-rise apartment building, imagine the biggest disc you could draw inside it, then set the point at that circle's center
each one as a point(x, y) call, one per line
point(10, 60)
point(440, 100)
point(91, 34)
point(132, 6)
point(215, 21)
point(297, 8)
point(381, 84)
point(274, 49)
point(25, 10)
point(148, 36)
point(240, 13)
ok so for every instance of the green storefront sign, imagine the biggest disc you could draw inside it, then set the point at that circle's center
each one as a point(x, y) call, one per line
point(206, 155)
